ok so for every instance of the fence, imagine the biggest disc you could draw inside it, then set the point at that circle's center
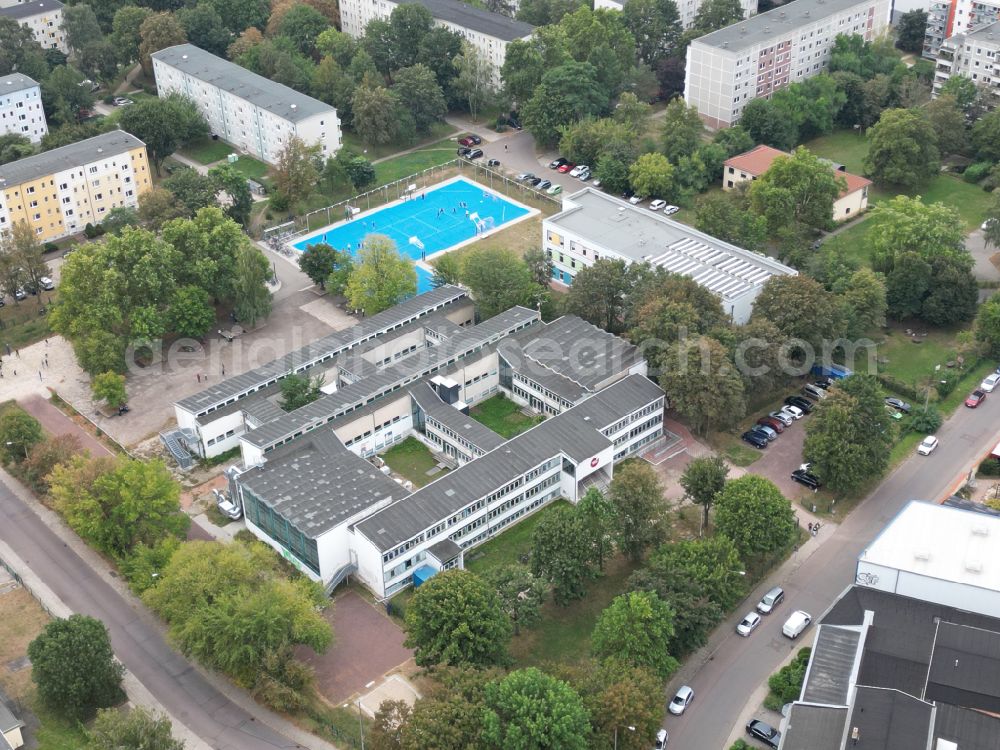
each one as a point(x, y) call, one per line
point(495, 179)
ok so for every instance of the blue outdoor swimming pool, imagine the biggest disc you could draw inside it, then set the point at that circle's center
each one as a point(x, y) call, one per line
point(431, 221)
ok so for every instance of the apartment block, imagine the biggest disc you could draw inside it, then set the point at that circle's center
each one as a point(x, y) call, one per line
point(489, 33)
point(754, 58)
point(974, 55)
point(58, 192)
point(21, 109)
point(688, 9)
point(43, 17)
point(255, 115)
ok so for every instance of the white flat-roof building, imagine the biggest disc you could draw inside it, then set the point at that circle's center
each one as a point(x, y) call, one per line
point(489, 33)
point(43, 17)
point(974, 55)
point(21, 110)
point(594, 225)
point(939, 554)
point(256, 115)
point(753, 58)
point(688, 9)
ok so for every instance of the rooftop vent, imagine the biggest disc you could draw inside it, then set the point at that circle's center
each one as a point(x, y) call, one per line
point(974, 566)
point(922, 554)
point(295, 106)
point(100, 150)
point(184, 57)
point(980, 531)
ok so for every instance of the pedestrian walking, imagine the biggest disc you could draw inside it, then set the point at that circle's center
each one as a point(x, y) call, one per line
point(223, 371)
point(18, 353)
point(8, 349)
point(505, 147)
point(39, 376)
point(198, 375)
point(46, 342)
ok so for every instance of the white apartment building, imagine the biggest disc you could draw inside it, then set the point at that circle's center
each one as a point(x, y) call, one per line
point(255, 115)
point(946, 18)
point(43, 17)
point(21, 110)
point(975, 55)
point(688, 9)
point(752, 59)
point(595, 225)
point(489, 33)
point(59, 192)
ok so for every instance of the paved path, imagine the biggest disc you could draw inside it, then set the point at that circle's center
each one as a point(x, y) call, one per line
point(224, 717)
point(728, 674)
point(57, 423)
point(196, 166)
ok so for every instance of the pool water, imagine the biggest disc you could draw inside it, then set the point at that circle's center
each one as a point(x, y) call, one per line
point(430, 222)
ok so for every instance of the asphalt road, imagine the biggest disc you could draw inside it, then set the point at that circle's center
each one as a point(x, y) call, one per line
point(137, 640)
point(725, 682)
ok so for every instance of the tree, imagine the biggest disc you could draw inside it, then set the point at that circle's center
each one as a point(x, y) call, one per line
point(138, 729)
point(768, 125)
point(164, 124)
point(332, 84)
point(116, 504)
point(681, 131)
point(703, 479)
point(22, 257)
point(520, 593)
point(586, 141)
point(849, 438)
point(125, 31)
point(566, 94)
point(473, 81)
point(14, 146)
point(962, 89)
point(724, 215)
point(19, 432)
point(655, 25)
point(529, 710)
point(420, 94)
point(988, 324)
point(63, 96)
point(798, 189)
point(910, 31)
point(109, 387)
point(447, 269)
point(865, 294)
point(653, 176)
point(636, 629)
point(953, 295)
point(205, 28)
point(381, 277)
point(295, 174)
point(157, 32)
point(499, 280)
point(735, 140)
point(233, 183)
point(986, 135)
point(638, 499)
point(457, 618)
point(157, 207)
point(318, 262)
point(299, 390)
point(716, 14)
point(557, 555)
point(597, 515)
point(19, 51)
point(377, 115)
point(704, 385)
point(360, 171)
point(45, 456)
point(753, 513)
point(906, 224)
point(948, 121)
point(303, 24)
point(191, 313)
point(903, 149)
point(251, 297)
point(81, 27)
point(801, 309)
point(598, 293)
point(74, 667)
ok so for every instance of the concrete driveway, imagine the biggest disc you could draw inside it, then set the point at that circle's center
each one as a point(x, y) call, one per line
point(984, 269)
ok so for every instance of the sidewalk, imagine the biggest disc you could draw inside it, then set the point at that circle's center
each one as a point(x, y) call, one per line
point(199, 168)
point(56, 423)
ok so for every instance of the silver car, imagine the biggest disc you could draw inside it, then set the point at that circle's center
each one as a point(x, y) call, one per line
point(770, 600)
point(748, 624)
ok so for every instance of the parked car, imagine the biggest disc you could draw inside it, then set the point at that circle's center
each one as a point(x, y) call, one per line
point(823, 383)
point(661, 740)
point(681, 700)
point(793, 411)
point(898, 403)
point(20, 294)
point(754, 438)
point(575, 171)
point(813, 391)
point(463, 151)
point(975, 398)
point(544, 184)
point(493, 163)
point(524, 176)
point(635, 200)
point(585, 175)
point(802, 403)
point(927, 445)
point(893, 414)
point(990, 382)
point(769, 432)
point(775, 424)
point(554, 190)
point(986, 224)
point(670, 210)
point(476, 153)
point(782, 416)
point(466, 141)
point(534, 181)
point(657, 205)
point(796, 623)
point(807, 479)
point(765, 733)
point(475, 138)
point(556, 163)
point(770, 600)
point(748, 624)
point(596, 183)
point(121, 101)
point(566, 167)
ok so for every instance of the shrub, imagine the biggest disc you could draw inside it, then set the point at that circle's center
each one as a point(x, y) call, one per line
point(50, 247)
point(946, 385)
point(976, 172)
point(786, 683)
point(279, 202)
point(990, 467)
point(899, 387)
point(741, 745)
point(925, 420)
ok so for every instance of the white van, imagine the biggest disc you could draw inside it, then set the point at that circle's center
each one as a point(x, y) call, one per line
point(796, 623)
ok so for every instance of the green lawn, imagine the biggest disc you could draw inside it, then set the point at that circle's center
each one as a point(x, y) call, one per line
point(398, 167)
point(57, 733)
point(510, 545)
point(438, 131)
point(20, 323)
point(971, 201)
point(844, 147)
point(503, 416)
point(734, 449)
point(412, 459)
point(913, 362)
point(253, 169)
point(207, 151)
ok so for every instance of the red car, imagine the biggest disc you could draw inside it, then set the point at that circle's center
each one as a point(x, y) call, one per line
point(975, 399)
point(566, 167)
point(774, 424)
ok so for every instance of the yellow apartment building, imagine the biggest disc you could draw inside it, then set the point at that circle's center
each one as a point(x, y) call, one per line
point(59, 192)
